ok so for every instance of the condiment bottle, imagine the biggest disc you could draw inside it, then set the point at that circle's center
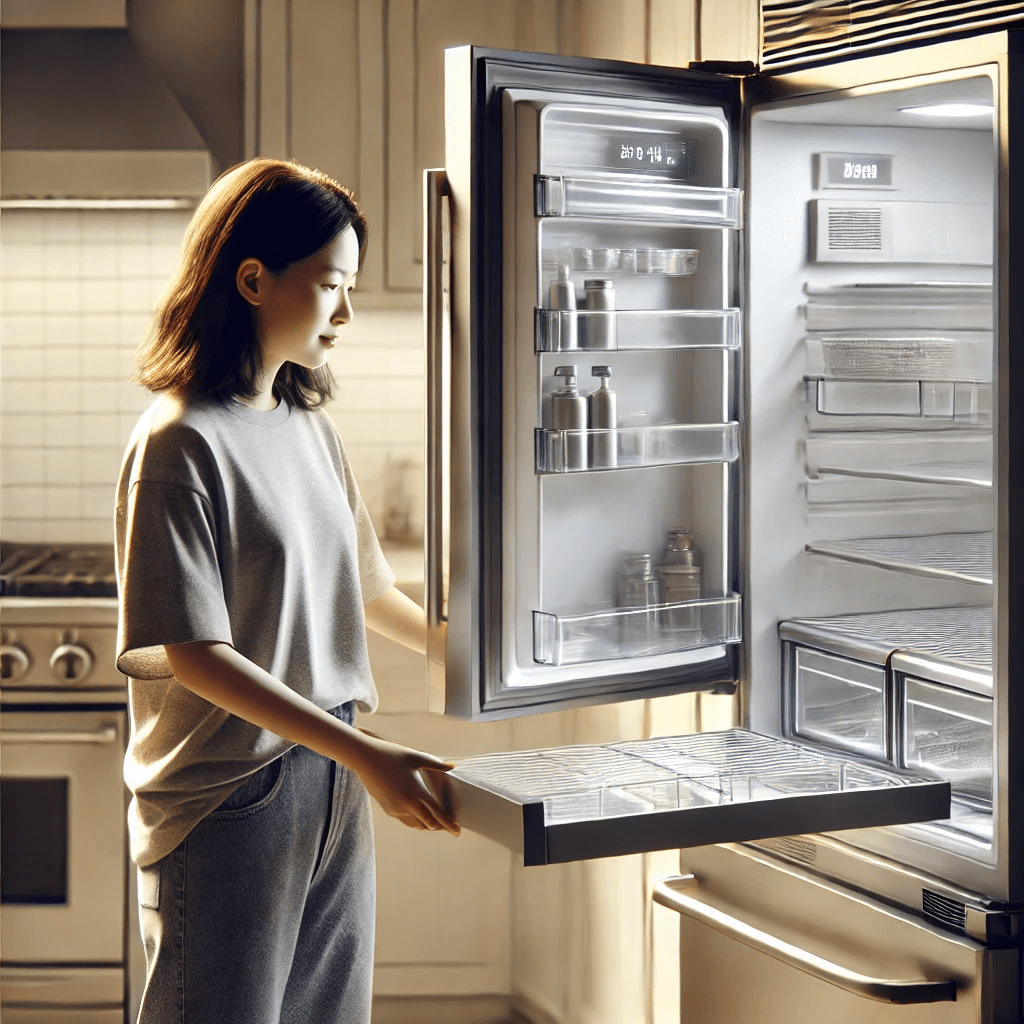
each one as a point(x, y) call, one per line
point(602, 414)
point(562, 296)
point(600, 295)
point(639, 588)
point(680, 581)
point(569, 412)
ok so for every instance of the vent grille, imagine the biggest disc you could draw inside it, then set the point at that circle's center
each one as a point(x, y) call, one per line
point(854, 228)
point(944, 910)
point(797, 32)
point(799, 850)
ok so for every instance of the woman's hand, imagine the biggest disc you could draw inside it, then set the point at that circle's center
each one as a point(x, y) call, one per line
point(394, 777)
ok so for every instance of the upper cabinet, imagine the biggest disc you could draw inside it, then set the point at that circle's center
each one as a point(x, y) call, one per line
point(356, 88)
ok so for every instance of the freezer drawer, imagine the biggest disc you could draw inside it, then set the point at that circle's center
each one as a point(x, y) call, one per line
point(808, 950)
point(581, 802)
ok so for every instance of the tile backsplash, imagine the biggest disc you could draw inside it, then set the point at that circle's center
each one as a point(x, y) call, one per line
point(78, 291)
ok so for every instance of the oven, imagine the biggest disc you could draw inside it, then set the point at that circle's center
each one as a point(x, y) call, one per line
point(69, 947)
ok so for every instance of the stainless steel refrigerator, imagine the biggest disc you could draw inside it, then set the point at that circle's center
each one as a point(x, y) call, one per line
point(802, 293)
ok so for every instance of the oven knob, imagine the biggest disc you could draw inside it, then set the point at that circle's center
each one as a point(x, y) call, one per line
point(13, 661)
point(71, 662)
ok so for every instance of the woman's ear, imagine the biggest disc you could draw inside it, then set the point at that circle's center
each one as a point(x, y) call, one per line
point(249, 280)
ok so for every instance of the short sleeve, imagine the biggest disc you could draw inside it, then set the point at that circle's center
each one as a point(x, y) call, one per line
point(170, 584)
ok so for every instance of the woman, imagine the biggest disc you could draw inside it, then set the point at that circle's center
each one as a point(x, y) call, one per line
point(245, 560)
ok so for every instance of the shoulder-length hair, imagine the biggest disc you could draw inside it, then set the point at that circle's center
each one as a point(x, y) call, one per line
point(203, 340)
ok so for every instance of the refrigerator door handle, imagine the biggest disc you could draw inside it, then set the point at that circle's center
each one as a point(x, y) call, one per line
point(437, 533)
point(671, 893)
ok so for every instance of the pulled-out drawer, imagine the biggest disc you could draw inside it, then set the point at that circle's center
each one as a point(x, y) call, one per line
point(581, 802)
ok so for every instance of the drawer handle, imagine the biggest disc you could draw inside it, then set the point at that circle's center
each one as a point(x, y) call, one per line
point(670, 893)
point(106, 735)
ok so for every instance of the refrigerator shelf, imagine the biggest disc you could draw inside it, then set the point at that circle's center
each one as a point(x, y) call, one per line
point(630, 199)
point(936, 306)
point(900, 355)
point(670, 444)
point(575, 639)
point(977, 475)
point(573, 803)
point(948, 556)
point(922, 399)
point(957, 634)
point(565, 330)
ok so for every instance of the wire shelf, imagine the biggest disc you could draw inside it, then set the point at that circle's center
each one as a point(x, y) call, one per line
point(949, 556)
point(961, 634)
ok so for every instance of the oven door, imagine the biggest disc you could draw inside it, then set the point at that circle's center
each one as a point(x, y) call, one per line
point(63, 851)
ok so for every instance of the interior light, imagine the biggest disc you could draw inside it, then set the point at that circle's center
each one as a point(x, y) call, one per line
point(950, 110)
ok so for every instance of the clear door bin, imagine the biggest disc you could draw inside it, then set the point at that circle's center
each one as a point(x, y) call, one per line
point(627, 198)
point(667, 445)
point(838, 701)
point(577, 803)
point(574, 639)
point(561, 330)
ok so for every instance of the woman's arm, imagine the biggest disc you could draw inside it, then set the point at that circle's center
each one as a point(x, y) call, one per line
point(398, 618)
point(390, 772)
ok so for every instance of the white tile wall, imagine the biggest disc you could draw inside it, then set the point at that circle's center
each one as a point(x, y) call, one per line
point(78, 291)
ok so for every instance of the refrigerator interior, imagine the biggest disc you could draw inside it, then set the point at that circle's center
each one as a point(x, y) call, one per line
point(870, 485)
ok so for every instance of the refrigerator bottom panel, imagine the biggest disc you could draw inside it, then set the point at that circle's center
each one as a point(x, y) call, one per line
point(581, 802)
point(809, 950)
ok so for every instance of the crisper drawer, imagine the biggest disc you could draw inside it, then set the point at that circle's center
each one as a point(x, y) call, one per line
point(581, 802)
point(945, 730)
point(837, 701)
point(806, 949)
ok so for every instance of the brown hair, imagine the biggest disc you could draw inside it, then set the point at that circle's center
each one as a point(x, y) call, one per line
point(203, 340)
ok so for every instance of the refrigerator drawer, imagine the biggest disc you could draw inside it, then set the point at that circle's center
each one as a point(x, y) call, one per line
point(837, 701)
point(947, 733)
point(581, 802)
point(808, 949)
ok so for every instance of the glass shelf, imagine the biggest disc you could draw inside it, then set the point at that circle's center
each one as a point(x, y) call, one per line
point(672, 444)
point(573, 639)
point(976, 475)
point(629, 199)
point(611, 260)
point(939, 306)
point(923, 399)
point(948, 556)
point(564, 330)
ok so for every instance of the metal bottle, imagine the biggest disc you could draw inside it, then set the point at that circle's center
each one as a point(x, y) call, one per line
point(639, 588)
point(680, 581)
point(563, 296)
point(569, 412)
point(600, 295)
point(602, 414)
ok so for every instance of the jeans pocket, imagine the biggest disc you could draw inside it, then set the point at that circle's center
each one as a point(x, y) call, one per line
point(256, 792)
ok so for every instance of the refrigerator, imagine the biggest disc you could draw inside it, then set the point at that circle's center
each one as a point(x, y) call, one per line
point(721, 375)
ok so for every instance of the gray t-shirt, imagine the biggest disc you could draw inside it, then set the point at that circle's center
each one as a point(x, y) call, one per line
point(244, 527)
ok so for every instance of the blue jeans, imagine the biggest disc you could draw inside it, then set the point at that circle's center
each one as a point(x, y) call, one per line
point(264, 914)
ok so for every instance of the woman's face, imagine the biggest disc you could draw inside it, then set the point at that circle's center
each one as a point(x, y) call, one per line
point(300, 310)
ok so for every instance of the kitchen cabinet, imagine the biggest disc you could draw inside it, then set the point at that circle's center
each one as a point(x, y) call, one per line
point(355, 88)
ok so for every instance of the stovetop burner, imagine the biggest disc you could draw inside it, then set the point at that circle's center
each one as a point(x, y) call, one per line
point(57, 570)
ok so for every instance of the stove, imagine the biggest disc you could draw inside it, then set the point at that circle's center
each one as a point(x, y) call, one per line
point(50, 570)
point(68, 935)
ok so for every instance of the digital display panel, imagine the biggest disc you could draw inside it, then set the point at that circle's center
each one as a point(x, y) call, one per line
point(645, 151)
point(854, 170)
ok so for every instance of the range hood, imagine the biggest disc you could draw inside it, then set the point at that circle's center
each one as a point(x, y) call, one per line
point(103, 113)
